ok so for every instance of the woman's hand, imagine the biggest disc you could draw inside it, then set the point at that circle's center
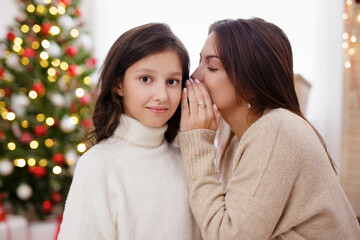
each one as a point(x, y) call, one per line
point(197, 110)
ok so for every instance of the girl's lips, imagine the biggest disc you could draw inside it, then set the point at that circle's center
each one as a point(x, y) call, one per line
point(157, 109)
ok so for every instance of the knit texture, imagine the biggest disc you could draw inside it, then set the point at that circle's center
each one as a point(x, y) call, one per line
point(130, 186)
point(282, 184)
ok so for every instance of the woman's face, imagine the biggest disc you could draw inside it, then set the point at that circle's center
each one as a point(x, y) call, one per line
point(151, 89)
point(213, 75)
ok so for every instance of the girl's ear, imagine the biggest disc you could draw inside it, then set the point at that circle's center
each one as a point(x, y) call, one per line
point(118, 90)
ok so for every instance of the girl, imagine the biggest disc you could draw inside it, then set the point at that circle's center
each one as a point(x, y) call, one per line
point(283, 183)
point(131, 184)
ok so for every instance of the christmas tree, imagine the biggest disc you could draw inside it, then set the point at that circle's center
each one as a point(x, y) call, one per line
point(45, 82)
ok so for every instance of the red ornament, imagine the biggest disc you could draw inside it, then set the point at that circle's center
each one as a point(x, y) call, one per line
point(1, 135)
point(7, 91)
point(37, 171)
point(91, 62)
point(26, 138)
point(45, 28)
point(40, 130)
point(58, 158)
point(29, 52)
point(86, 123)
point(85, 100)
point(56, 196)
point(77, 12)
point(47, 206)
point(10, 36)
point(71, 51)
point(39, 88)
point(2, 72)
point(66, 2)
point(73, 70)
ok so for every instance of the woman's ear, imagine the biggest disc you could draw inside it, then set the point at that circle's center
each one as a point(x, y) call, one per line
point(118, 90)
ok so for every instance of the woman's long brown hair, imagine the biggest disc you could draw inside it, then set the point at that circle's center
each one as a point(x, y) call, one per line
point(257, 58)
point(129, 48)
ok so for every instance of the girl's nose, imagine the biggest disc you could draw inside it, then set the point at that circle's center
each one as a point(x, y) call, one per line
point(160, 93)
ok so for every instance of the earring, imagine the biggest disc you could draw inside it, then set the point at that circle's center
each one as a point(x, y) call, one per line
point(248, 105)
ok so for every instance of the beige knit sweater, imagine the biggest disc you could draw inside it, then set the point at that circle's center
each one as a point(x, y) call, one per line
point(282, 185)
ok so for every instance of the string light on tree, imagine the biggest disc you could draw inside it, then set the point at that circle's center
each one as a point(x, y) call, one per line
point(11, 146)
point(20, 162)
point(81, 147)
point(57, 170)
point(32, 94)
point(31, 162)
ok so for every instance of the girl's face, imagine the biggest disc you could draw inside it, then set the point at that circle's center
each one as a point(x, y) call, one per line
point(151, 89)
point(213, 75)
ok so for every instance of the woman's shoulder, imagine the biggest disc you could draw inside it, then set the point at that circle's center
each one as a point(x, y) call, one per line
point(281, 115)
point(288, 129)
point(280, 125)
point(282, 119)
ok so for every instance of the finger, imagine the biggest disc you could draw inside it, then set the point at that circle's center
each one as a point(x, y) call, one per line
point(197, 91)
point(184, 104)
point(184, 111)
point(192, 99)
point(217, 115)
point(206, 96)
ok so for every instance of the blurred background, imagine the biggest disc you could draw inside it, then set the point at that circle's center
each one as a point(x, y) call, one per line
point(323, 34)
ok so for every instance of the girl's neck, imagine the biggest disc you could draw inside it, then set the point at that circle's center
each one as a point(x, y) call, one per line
point(138, 133)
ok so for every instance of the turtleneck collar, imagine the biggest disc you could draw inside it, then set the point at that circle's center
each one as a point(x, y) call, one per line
point(137, 133)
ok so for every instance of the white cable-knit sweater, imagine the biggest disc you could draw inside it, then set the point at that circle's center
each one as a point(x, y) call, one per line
point(130, 186)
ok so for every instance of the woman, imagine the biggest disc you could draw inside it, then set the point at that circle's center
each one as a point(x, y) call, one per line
point(283, 183)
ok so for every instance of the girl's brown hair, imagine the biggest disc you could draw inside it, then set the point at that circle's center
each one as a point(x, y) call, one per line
point(129, 48)
point(258, 60)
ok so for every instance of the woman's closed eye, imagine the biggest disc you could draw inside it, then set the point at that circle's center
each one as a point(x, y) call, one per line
point(145, 79)
point(212, 69)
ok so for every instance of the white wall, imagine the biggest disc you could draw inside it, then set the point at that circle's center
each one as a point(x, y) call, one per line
point(314, 28)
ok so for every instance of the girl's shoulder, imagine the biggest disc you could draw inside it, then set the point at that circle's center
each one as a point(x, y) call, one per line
point(99, 156)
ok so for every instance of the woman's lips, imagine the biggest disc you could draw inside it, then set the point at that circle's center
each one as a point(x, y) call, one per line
point(157, 109)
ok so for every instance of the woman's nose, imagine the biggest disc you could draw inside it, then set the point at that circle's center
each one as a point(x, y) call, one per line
point(196, 74)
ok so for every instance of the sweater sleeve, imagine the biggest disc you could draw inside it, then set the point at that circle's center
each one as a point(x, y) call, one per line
point(89, 212)
point(252, 205)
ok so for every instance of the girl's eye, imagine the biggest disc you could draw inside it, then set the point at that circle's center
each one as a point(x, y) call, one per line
point(145, 79)
point(173, 82)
